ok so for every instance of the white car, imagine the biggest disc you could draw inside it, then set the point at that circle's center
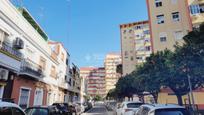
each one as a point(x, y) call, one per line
point(161, 109)
point(128, 107)
point(7, 108)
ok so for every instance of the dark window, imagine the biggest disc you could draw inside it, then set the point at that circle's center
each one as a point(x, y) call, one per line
point(163, 39)
point(160, 19)
point(175, 16)
point(158, 3)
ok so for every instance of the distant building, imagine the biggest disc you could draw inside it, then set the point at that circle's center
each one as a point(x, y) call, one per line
point(111, 62)
point(95, 79)
point(135, 44)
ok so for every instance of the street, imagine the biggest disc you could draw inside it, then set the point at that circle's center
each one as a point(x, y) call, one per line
point(99, 109)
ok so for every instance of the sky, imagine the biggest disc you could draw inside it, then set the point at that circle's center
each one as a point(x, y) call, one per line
point(89, 29)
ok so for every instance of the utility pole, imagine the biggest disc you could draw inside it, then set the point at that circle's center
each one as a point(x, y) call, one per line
point(191, 92)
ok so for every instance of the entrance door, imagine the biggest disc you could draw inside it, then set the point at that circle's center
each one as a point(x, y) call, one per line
point(38, 97)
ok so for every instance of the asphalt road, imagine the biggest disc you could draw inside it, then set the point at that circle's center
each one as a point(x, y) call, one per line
point(99, 110)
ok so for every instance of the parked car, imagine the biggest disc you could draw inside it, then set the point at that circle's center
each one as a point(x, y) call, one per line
point(161, 109)
point(127, 106)
point(63, 108)
point(42, 110)
point(7, 108)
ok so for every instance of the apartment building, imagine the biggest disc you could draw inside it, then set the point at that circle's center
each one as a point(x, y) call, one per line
point(33, 68)
point(84, 74)
point(135, 44)
point(196, 12)
point(169, 21)
point(111, 62)
point(96, 82)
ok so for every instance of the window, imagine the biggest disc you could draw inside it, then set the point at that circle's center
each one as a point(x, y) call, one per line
point(160, 19)
point(158, 3)
point(163, 39)
point(124, 31)
point(175, 16)
point(146, 32)
point(195, 9)
point(126, 54)
point(131, 58)
point(42, 63)
point(130, 31)
point(24, 98)
point(147, 48)
point(53, 71)
point(62, 56)
point(137, 27)
point(38, 99)
point(178, 35)
point(201, 8)
point(1, 91)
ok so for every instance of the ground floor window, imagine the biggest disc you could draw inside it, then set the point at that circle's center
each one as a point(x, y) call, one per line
point(24, 97)
point(1, 91)
point(49, 98)
point(38, 99)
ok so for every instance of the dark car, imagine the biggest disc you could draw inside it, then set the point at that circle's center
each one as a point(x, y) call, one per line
point(63, 108)
point(42, 110)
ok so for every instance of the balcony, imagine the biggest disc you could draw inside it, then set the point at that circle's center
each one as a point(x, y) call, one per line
point(11, 52)
point(29, 68)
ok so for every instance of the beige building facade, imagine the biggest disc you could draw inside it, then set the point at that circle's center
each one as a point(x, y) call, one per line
point(135, 44)
point(169, 22)
point(111, 78)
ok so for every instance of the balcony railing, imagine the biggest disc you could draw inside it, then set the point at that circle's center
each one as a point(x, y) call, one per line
point(11, 50)
point(32, 69)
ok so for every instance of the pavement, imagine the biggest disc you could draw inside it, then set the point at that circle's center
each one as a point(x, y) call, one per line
point(99, 109)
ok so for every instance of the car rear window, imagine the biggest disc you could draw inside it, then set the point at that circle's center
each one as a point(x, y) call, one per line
point(134, 105)
point(175, 111)
point(36, 111)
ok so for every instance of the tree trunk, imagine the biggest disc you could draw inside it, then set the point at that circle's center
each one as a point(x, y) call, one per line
point(179, 98)
point(155, 96)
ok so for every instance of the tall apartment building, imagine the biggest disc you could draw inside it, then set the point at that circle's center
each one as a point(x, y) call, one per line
point(112, 60)
point(135, 44)
point(169, 21)
point(33, 69)
point(96, 82)
point(84, 74)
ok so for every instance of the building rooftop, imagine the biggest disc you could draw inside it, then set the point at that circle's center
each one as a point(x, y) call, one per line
point(133, 24)
point(33, 23)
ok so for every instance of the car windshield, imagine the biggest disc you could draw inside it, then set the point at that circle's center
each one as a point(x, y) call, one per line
point(36, 111)
point(134, 105)
point(175, 111)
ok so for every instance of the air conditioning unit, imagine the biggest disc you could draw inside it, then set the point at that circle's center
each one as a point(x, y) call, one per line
point(18, 43)
point(3, 74)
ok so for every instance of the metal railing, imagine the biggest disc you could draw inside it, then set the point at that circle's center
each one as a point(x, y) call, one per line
point(11, 50)
point(28, 66)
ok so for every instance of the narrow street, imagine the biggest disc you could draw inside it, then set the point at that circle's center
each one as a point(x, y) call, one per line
point(99, 110)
